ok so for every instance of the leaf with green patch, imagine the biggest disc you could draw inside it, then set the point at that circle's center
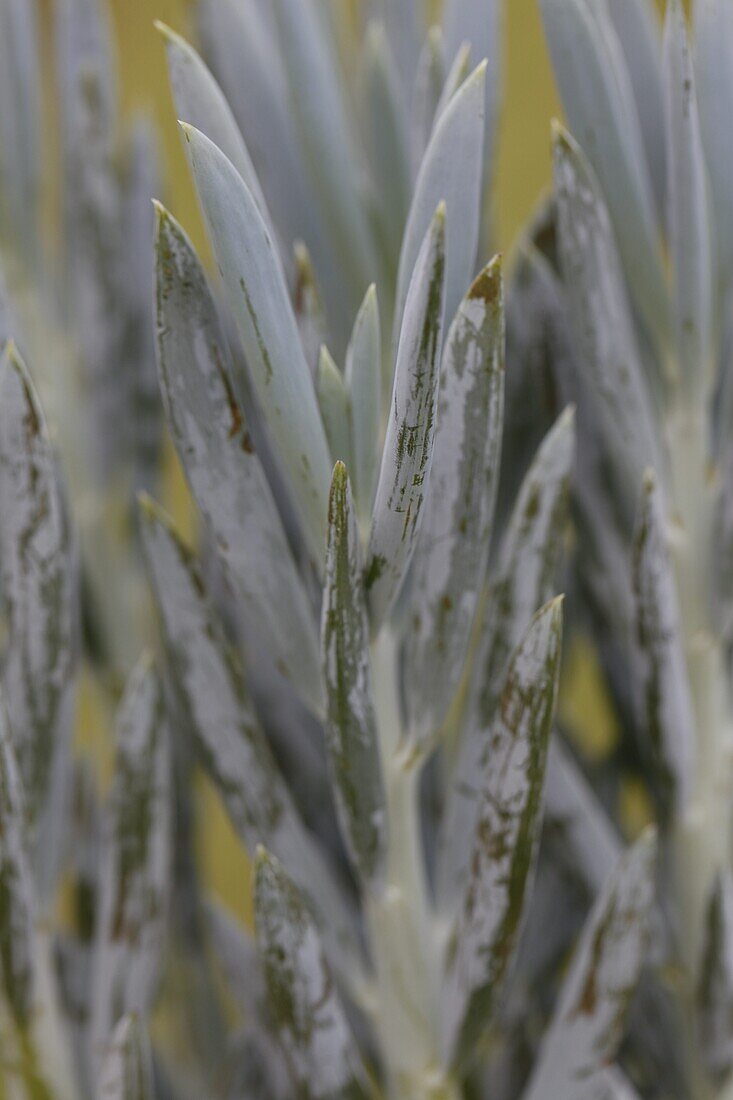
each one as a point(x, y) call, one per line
point(407, 455)
point(258, 296)
point(136, 871)
point(320, 1050)
point(228, 736)
point(715, 988)
point(507, 797)
point(598, 99)
point(127, 1071)
point(364, 387)
point(451, 172)
point(522, 582)
point(588, 1022)
point(333, 400)
point(351, 724)
point(38, 573)
point(226, 476)
point(662, 688)
point(602, 319)
point(688, 215)
point(452, 553)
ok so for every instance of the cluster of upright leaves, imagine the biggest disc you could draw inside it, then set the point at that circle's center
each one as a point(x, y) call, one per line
point(621, 303)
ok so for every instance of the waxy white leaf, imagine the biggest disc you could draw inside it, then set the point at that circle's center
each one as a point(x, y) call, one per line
point(715, 990)
point(363, 373)
point(689, 225)
point(351, 723)
point(451, 172)
point(662, 688)
point(127, 1072)
point(598, 99)
point(258, 297)
point(136, 865)
point(450, 561)
point(333, 400)
point(226, 477)
point(601, 317)
point(229, 739)
point(320, 1050)
point(713, 24)
point(523, 582)
point(589, 1018)
point(38, 572)
point(508, 814)
point(405, 471)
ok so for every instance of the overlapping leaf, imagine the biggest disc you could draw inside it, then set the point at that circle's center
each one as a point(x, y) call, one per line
point(363, 374)
point(126, 1072)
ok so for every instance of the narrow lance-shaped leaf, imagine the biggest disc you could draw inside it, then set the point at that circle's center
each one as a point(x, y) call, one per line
point(450, 561)
point(602, 319)
point(351, 724)
point(598, 99)
point(333, 400)
point(662, 688)
point(451, 172)
point(429, 83)
point(523, 582)
point(200, 101)
point(308, 305)
point(407, 456)
point(127, 1072)
point(589, 1019)
point(38, 580)
point(715, 989)
point(321, 1052)
point(228, 482)
point(690, 238)
point(507, 823)
point(714, 74)
point(364, 386)
point(457, 73)
point(255, 285)
point(136, 866)
point(229, 739)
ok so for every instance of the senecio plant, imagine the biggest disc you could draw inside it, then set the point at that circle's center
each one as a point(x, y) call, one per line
point(363, 653)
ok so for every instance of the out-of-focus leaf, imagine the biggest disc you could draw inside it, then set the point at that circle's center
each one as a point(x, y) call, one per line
point(715, 992)
point(333, 400)
point(135, 880)
point(228, 736)
point(38, 580)
point(321, 1052)
point(407, 456)
point(450, 561)
point(714, 75)
point(637, 26)
point(598, 99)
point(387, 132)
point(351, 726)
point(589, 1019)
point(507, 793)
point(523, 582)
point(318, 104)
point(258, 296)
point(200, 101)
point(457, 73)
point(403, 23)
point(254, 1068)
point(610, 1084)
point(689, 225)
point(364, 386)
point(451, 172)
point(429, 83)
point(126, 1072)
point(236, 953)
point(601, 316)
point(662, 687)
point(226, 477)
point(308, 306)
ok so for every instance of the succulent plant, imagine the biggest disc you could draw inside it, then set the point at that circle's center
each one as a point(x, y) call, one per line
point(362, 654)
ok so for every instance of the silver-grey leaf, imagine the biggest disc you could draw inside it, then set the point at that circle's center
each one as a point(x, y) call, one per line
point(715, 990)
point(508, 814)
point(407, 456)
point(429, 83)
point(662, 689)
point(351, 723)
point(333, 400)
point(126, 1072)
point(255, 284)
point(589, 1018)
point(236, 953)
point(228, 482)
point(363, 373)
point(38, 570)
point(450, 561)
point(713, 24)
point(321, 1052)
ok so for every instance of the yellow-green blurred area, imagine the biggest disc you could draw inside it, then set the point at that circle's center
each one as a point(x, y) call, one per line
point(530, 102)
